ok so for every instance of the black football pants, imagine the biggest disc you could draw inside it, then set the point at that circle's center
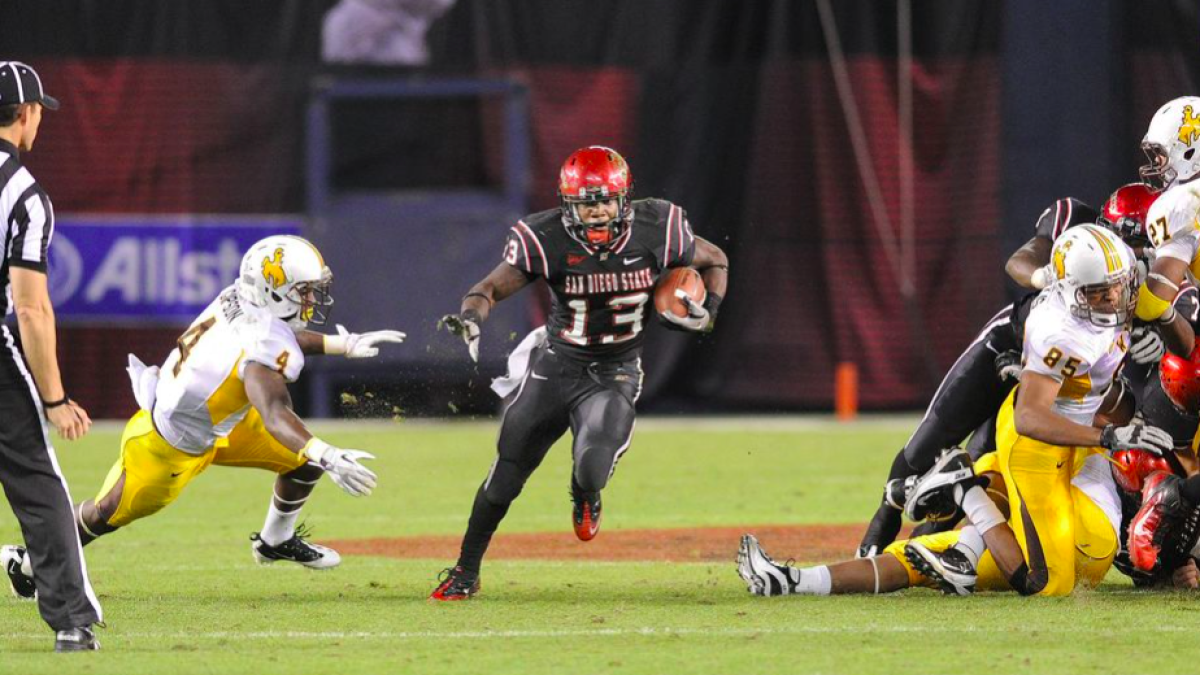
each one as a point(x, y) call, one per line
point(595, 401)
point(37, 493)
point(965, 402)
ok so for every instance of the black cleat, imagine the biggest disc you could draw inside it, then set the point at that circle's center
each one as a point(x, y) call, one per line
point(882, 531)
point(457, 584)
point(950, 569)
point(297, 549)
point(80, 639)
point(936, 494)
point(13, 559)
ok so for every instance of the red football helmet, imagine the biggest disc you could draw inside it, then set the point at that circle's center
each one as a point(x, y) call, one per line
point(1181, 380)
point(593, 174)
point(1131, 468)
point(1125, 213)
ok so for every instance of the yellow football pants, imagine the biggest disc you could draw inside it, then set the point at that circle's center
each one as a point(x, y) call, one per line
point(1066, 538)
point(156, 473)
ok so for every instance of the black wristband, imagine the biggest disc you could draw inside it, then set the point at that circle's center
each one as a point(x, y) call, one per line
point(711, 303)
point(54, 404)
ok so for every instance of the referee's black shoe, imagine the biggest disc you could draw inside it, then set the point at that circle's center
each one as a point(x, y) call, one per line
point(80, 639)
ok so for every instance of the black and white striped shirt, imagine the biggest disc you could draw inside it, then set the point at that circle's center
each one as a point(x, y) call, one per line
point(27, 218)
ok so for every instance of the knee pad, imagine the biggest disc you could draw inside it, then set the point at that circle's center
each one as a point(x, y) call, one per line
point(505, 483)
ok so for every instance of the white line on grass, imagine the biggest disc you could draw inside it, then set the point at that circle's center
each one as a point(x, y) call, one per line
point(587, 632)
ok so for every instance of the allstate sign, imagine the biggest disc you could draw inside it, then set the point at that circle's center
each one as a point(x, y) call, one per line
point(162, 268)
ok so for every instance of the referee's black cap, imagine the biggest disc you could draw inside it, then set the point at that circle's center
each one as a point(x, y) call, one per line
point(20, 83)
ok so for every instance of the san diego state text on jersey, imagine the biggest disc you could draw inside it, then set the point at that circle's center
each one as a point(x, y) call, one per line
point(599, 297)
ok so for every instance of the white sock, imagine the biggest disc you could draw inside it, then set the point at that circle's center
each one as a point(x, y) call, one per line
point(812, 580)
point(280, 526)
point(970, 543)
point(980, 510)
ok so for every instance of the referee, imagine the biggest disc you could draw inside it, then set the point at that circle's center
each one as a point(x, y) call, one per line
point(31, 390)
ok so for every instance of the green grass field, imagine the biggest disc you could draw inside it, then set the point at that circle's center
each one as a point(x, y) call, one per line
point(182, 595)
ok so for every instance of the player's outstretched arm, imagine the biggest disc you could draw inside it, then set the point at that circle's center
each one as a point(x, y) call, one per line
point(1035, 418)
point(1029, 265)
point(267, 391)
point(345, 343)
point(477, 304)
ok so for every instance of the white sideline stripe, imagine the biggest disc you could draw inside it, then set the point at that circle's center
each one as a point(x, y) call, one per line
point(650, 631)
point(764, 423)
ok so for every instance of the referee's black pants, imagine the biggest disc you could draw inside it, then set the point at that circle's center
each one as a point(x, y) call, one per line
point(37, 492)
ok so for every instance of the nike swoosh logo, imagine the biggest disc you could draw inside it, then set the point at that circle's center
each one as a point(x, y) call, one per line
point(537, 377)
point(630, 261)
point(176, 475)
point(1059, 465)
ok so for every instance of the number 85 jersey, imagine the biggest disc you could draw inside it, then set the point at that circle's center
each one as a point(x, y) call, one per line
point(200, 396)
point(1082, 357)
point(600, 298)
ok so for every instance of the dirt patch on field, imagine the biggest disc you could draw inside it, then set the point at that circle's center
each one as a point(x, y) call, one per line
point(710, 544)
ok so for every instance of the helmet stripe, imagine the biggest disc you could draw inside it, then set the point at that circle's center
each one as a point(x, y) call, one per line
point(1111, 257)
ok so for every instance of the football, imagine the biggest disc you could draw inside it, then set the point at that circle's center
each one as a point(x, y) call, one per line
point(683, 279)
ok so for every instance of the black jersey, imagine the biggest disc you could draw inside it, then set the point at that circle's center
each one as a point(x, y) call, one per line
point(600, 299)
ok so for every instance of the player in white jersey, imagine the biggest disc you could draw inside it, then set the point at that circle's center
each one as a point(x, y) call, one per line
point(221, 398)
point(1172, 143)
point(1064, 507)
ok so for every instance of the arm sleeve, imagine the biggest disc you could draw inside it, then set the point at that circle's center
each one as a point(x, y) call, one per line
point(33, 223)
point(277, 350)
point(523, 250)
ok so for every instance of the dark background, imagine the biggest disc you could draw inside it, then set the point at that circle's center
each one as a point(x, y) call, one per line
point(848, 243)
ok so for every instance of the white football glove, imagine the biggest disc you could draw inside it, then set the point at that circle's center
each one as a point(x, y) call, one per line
point(697, 319)
point(360, 345)
point(1042, 277)
point(1147, 345)
point(343, 466)
point(465, 328)
point(1136, 437)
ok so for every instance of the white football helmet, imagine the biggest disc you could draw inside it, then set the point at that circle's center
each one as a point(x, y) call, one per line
point(1088, 259)
point(1172, 143)
point(287, 276)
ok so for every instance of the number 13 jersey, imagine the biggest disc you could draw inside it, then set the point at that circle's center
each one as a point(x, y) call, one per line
point(200, 396)
point(601, 299)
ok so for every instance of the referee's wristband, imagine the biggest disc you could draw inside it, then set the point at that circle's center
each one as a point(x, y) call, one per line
point(54, 404)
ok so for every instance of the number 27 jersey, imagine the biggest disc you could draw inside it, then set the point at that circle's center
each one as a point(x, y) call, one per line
point(200, 396)
point(600, 299)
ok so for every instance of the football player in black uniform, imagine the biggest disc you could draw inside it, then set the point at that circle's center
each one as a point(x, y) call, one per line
point(981, 378)
point(601, 254)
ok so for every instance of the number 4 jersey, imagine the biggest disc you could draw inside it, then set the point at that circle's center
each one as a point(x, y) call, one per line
point(600, 299)
point(200, 396)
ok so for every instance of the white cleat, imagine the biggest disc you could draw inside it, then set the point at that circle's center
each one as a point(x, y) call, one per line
point(761, 574)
